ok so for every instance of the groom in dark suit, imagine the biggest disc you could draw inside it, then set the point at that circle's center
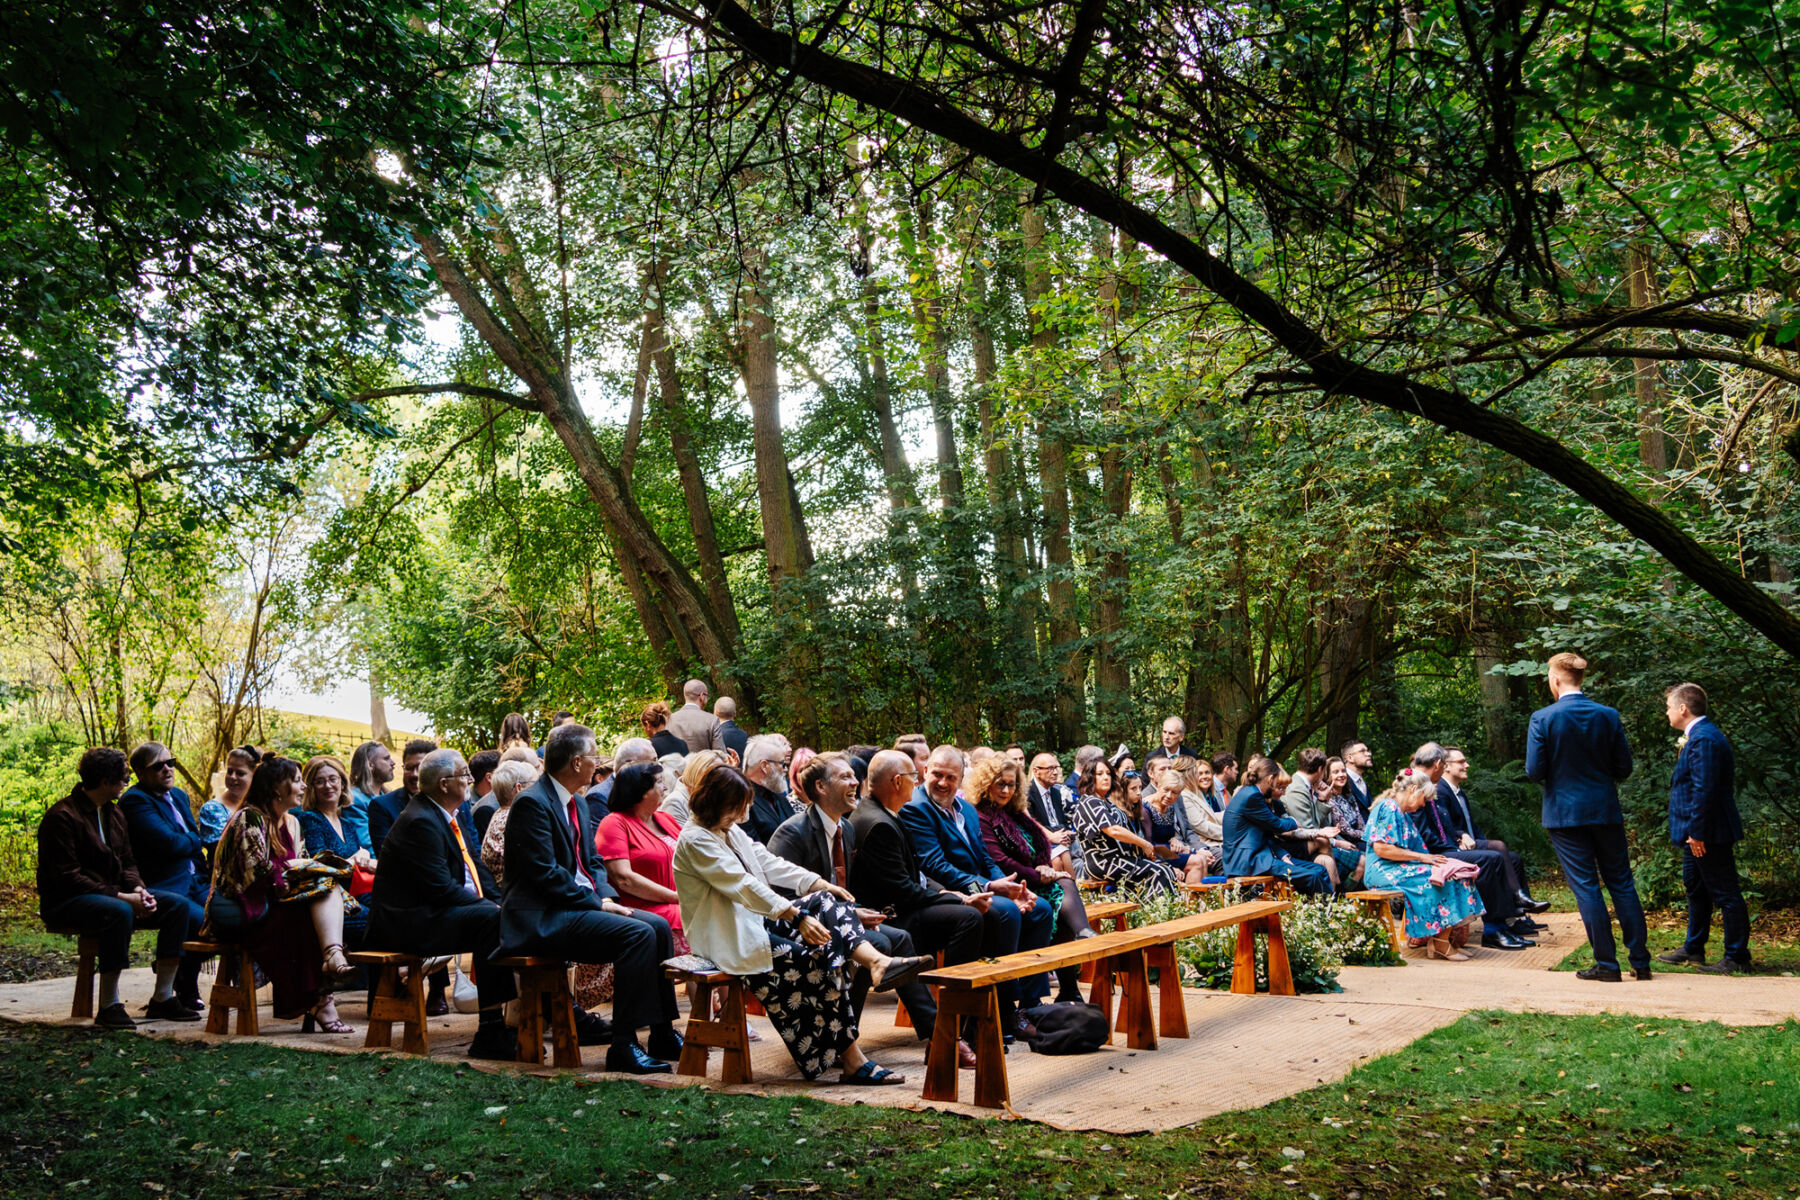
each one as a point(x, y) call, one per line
point(1704, 822)
point(1577, 750)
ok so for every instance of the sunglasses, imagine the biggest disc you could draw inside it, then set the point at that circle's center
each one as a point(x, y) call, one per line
point(167, 764)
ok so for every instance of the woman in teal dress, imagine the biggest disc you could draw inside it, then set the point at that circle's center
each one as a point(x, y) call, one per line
point(1396, 858)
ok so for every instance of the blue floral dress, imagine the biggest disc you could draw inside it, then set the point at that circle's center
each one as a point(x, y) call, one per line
point(1430, 908)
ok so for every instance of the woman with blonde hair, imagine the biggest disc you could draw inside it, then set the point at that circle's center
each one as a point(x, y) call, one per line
point(1436, 907)
point(1020, 846)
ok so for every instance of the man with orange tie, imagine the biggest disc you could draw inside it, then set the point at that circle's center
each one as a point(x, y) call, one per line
point(433, 896)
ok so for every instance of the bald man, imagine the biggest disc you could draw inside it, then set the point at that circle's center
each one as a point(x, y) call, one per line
point(692, 723)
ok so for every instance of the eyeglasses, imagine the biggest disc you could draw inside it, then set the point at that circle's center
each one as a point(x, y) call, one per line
point(167, 764)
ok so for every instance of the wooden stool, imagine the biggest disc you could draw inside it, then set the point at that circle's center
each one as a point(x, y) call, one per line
point(730, 1032)
point(234, 987)
point(87, 949)
point(395, 999)
point(544, 997)
point(1378, 903)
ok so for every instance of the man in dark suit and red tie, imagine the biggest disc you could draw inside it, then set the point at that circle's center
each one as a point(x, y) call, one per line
point(1577, 750)
point(1704, 822)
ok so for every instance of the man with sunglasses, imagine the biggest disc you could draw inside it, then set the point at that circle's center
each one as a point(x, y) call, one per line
point(171, 857)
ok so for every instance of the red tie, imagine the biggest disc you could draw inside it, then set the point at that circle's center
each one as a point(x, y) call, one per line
point(837, 858)
point(575, 827)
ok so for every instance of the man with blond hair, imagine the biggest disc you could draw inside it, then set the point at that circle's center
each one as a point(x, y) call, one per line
point(1576, 749)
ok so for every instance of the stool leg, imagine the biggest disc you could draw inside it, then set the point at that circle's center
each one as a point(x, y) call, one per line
point(388, 988)
point(247, 1021)
point(531, 1018)
point(694, 1053)
point(736, 1057)
point(413, 1037)
point(565, 1045)
point(86, 948)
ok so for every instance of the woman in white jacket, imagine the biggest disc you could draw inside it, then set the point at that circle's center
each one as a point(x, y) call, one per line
point(795, 955)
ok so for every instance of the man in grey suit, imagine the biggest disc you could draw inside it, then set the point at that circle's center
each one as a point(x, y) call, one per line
point(692, 723)
point(821, 840)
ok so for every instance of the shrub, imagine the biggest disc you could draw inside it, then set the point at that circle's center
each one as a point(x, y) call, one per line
point(1322, 935)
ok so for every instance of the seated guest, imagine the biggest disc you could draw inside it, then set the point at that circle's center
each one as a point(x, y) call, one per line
point(1117, 850)
point(1083, 756)
point(1459, 822)
point(675, 801)
point(324, 831)
point(1225, 777)
point(797, 763)
point(1340, 799)
point(385, 808)
point(631, 750)
point(1022, 847)
point(509, 779)
point(87, 881)
point(371, 770)
point(1253, 833)
point(766, 767)
point(171, 857)
point(794, 955)
point(1397, 858)
point(240, 763)
point(1300, 799)
point(946, 833)
point(1164, 822)
point(636, 842)
point(432, 897)
point(1053, 806)
point(1193, 778)
point(482, 804)
point(293, 927)
point(655, 720)
point(515, 730)
point(820, 840)
point(1122, 762)
point(557, 903)
point(1503, 924)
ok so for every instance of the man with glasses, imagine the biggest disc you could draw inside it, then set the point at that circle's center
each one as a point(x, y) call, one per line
point(1459, 818)
point(434, 896)
point(766, 760)
point(1053, 807)
point(171, 858)
point(558, 904)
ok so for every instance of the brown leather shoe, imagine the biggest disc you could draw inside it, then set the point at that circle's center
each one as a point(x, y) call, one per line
point(965, 1056)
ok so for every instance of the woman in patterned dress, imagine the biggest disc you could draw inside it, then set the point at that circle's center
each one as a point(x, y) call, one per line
point(1397, 858)
point(1117, 850)
point(794, 955)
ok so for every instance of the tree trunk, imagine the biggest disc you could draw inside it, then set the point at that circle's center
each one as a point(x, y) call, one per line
point(1646, 373)
point(1112, 669)
point(934, 350)
point(378, 722)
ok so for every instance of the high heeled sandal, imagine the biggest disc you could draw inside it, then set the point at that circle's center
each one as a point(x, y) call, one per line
point(1441, 948)
point(342, 970)
point(312, 1022)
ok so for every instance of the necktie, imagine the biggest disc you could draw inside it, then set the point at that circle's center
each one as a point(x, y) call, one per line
point(468, 863)
point(575, 836)
point(840, 873)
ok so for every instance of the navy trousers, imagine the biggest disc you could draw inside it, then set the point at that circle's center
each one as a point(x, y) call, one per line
point(1712, 882)
point(111, 921)
point(1592, 855)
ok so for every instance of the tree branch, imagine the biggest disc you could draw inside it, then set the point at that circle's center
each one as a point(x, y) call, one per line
point(522, 403)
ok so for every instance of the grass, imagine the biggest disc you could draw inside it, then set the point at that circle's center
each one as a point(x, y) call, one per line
point(1494, 1104)
point(27, 952)
point(1774, 943)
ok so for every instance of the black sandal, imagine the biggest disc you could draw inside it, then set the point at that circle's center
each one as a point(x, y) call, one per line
point(871, 1075)
point(904, 970)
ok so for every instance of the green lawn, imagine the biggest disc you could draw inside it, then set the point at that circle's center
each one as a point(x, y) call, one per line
point(1774, 942)
point(1491, 1105)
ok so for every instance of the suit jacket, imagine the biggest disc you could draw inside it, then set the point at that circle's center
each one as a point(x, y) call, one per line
point(697, 727)
point(1358, 791)
point(1458, 813)
point(1434, 828)
point(1253, 833)
point(1302, 804)
point(885, 872)
point(165, 840)
point(1052, 809)
point(384, 810)
point(735, 739)
point(767, 813)
point(1576, 749)
point(802, 840)
point(541, 890)
point(1160, 752)
point(960, 862)
point(1702, 793)
point(419, 879)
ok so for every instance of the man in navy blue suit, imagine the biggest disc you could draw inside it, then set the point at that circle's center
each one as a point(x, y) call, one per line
point(1576, 749)
point(946, 834)
point(1704, 822)
point(171, 858)
point(1357, 762)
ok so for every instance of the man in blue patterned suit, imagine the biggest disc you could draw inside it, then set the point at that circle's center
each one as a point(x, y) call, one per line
point(1704, 822)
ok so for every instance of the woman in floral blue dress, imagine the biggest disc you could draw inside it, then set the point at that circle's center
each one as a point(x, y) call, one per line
point(1397, 858)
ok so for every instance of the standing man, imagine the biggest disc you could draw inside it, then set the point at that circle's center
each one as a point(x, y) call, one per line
point(1357, 763)
point(725, 709)
point(1577, 750)
point(1174, 729)
point(1704, 822)
point(693, 724)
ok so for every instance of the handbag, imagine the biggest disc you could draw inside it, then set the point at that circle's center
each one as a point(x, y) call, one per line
point(362, 880)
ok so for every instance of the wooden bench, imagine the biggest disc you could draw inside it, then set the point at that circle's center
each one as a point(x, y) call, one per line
point(1378, 903)
point(395, 998)
point(545, 1000)
point(968, 990)
point(729, 1031)
point(1118, 912)
point(234, 988)
point(1273, 886)
point(87, 949)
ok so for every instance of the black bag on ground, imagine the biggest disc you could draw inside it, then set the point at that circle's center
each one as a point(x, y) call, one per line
point(1067, 1028)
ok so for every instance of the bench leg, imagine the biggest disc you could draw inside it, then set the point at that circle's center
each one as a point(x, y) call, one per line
point(565, 1045)
point(531, 1019)
point(1281, 975)
point(413, 1038)
point(990, 1053)
point(1101, 994)
point(1136, 1021)
point(388, 992)
point(86, 950)
point(695, 1052)
point(1243, 967)
point(1171, 1007)
point(1383, 911)
point(247, 1022)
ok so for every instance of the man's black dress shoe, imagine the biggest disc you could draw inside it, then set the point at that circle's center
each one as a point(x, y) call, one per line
point(1728, 966)
point(495, 1041)
point(171, 1009)
point(1681, 955)
point(1504, 941)
point(630, 1059)
point(436, 1005)
point(1599, 975)
point(114, 1016)
point(591, 1029)
point(1642, 974)
point(1524, 927)
point(666, 1045)
point(1527, 904)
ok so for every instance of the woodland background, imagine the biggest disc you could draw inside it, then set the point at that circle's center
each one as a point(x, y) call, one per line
point(1000, 371)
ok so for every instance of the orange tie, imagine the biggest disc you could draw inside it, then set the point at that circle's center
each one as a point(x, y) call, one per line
point(474, 875)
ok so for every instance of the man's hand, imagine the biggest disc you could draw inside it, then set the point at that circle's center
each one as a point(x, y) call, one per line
point(870, 917)
point(1008, 886)
point(614, 907)
point(1061, 837)
point(1465, 842)
point(980, 901)
point(1328, 831)
point(140, 900)
point(1698, 847)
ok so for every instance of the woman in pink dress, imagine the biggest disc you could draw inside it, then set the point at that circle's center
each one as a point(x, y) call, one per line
point(637, 844)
